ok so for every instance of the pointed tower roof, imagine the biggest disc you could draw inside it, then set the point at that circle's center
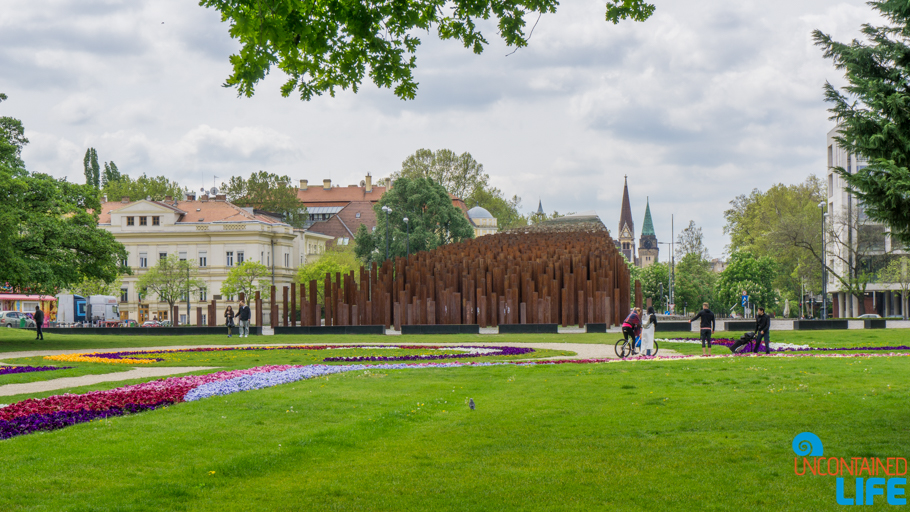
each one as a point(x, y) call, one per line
point(625, 218)
point(647, 229)
point(540, 207)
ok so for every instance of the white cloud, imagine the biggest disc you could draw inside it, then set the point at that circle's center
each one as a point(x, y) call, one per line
point(701, 103)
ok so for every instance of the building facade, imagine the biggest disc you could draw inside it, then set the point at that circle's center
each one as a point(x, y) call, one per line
point(338, 212)
point(855, 241)
point(483, 222)
point(211, 232)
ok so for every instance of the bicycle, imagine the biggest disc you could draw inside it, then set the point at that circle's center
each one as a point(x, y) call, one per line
point(625, 348)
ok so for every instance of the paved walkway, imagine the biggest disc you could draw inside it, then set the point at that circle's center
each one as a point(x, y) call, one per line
point(87, 380)
point(582, 350)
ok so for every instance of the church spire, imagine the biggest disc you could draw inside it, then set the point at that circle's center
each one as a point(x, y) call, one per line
point(648, 226)
point(625, 217)
point(540, 207)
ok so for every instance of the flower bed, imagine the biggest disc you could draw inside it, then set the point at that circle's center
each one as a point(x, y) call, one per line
point(9, 370)
point(130, 357)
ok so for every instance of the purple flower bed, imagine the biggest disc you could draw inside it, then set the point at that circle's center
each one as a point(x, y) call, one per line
point(10, 370)
point(60, 419)
point(502, 351)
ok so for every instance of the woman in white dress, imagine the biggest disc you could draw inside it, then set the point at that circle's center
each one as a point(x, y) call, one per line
point(648, 326)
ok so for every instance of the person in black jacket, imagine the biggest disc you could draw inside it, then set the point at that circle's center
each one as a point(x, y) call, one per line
point(707, 327)
point(762, 326)
point(39, 322)
point(243, 315)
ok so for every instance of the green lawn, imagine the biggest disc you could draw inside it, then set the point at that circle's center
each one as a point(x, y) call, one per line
point(674, 435)
point(821, 339)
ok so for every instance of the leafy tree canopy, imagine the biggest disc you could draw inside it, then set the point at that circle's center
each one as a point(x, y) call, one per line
point(335, 260)
point(652, 277)
point(322, 46)
point(97, 287)
point(460, 175)
point(248, 278)
point(766, 224)
point(747, 273)
point(694, 283)
point(156, 187)
point(872, 116)
point(91, 169)
point(505, 210)
point(691, 241)
point(170, 279)
point(898, 272)
point(268, 192)
point(433, 220)
point(50, 239)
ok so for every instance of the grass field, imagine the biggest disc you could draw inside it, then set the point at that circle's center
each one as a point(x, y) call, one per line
point(694, 434)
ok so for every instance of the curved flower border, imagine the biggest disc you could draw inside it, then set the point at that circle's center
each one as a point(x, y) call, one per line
point(11, 370)
point(128, 357)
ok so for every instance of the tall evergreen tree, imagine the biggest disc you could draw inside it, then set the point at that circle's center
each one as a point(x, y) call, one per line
point(872, 113)
point(91, 168)
point(111, 173)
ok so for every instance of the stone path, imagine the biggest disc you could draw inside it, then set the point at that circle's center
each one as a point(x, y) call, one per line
point(582, 350)
point(87, 380)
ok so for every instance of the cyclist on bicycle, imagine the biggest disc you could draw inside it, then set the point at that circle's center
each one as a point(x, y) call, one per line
point(631, 326)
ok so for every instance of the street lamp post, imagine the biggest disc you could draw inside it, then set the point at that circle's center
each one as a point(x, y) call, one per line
point(386, 209)
point(408, 239)
point(672, 244)
point(824, 314)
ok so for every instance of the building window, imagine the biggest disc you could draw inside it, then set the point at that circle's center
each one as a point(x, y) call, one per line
point(130, 221)
point(124, 294)
point(357, 215)
point(125, 262)
point(181, 255)
point(287, 260)
point(203, 260)
point(156, 221)
point(239, 257)
point(143, 221)
point(162, 256)
point(229, 259)
point(143, 260)
point(203, 295)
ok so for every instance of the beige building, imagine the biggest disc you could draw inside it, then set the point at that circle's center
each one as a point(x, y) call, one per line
point(483, 222)
point(213, 233)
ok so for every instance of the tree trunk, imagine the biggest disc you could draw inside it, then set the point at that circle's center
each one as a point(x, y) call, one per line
point(904, 302)
point(861, 299)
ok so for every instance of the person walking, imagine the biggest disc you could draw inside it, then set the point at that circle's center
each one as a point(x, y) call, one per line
point(39, 323)
point(631, 326)
point(762, 326)
point(229, 319)
point(707, 327)
point(243, 315)
point(648, 326)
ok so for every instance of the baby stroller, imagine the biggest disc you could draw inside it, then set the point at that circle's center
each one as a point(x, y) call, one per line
point(745, 344)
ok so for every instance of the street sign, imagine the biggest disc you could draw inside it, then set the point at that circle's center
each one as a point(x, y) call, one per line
point(745, 299)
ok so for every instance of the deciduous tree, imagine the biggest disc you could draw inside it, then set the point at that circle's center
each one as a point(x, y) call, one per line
point(268, 192)
point(170, 280)
point(324, 46)
point(335, 260)
point(248, 278)
point(156, 188)
point(898, 272)
point(91, 168)
point(747, 273)
point(460, 175)
point(691, 241)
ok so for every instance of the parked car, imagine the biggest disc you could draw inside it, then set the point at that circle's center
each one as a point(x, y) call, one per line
point(12, 319)
point(869, 315)
point(129, 323)
point(151, 323)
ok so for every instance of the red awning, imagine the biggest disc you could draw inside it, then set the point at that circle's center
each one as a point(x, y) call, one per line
point(19, 296)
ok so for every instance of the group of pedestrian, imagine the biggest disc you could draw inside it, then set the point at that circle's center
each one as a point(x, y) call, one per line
point(639, 325)
point(708, 326)
point(243, 319)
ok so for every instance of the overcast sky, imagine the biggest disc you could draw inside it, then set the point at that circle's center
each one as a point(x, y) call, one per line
point(705, 101)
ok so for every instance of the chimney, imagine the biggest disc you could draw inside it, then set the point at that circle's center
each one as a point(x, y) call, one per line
point(327, 184)
point(168, 198)
point(303, 185)
point(204, 198)
point(388, 184)
point(191, 197)
point(369, 183)
point(104, 198)
point(125, 199)
point(220, 197)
